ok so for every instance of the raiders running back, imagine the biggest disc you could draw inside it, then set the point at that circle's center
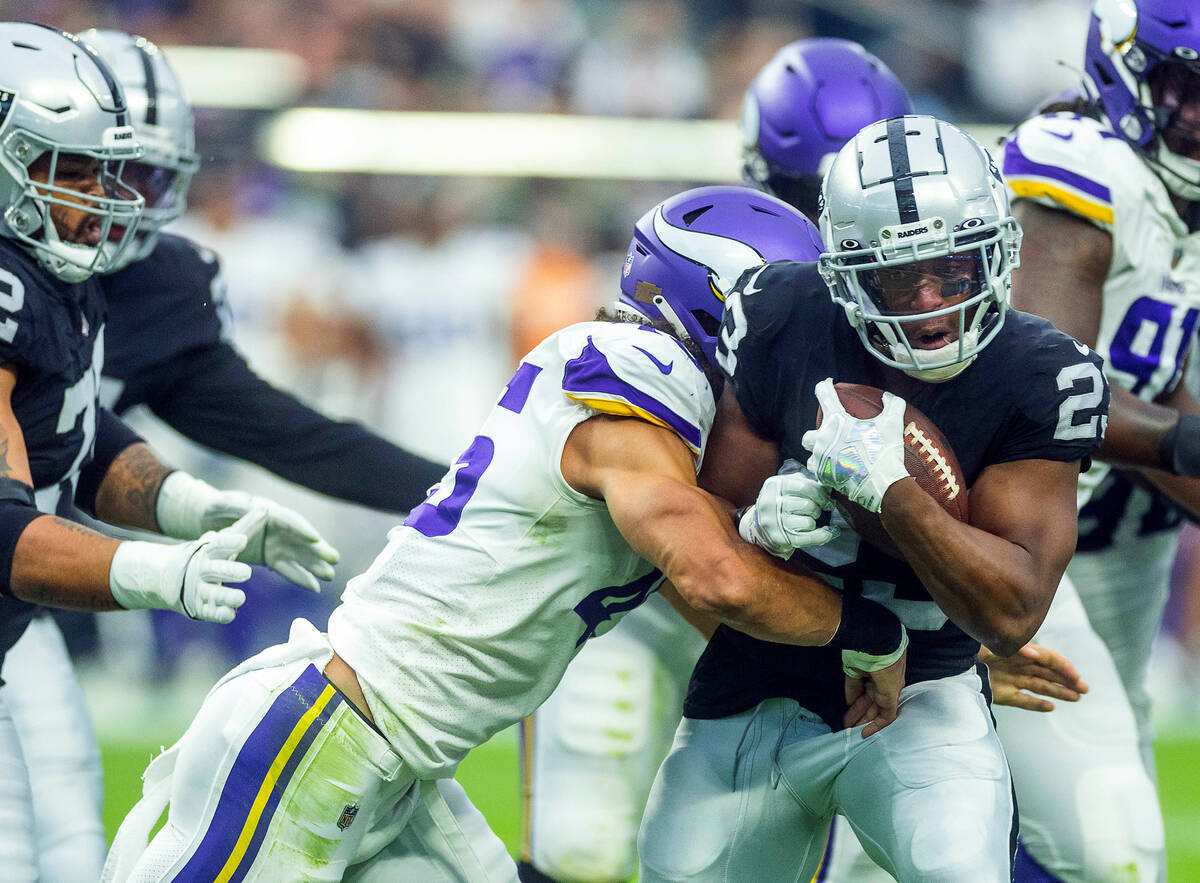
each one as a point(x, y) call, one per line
point(494, 583)
point(1034, 394)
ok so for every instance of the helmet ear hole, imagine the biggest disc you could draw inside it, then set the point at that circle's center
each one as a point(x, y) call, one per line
point(709, 323)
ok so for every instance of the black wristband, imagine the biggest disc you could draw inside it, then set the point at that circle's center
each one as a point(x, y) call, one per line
point(17, 509)
point(1180, 449)
point(867, 627)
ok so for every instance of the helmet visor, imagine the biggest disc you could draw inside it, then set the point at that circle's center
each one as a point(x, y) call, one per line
point(925, 286)
point(156, 184)
point(1175, 89)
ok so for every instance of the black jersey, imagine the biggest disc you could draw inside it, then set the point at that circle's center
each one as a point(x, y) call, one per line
point(159, 309)
point(52, 334)
point(168, 350)
point(1032, 393)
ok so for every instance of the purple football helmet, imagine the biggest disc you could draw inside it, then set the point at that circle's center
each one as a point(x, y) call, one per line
point(688, 251)
point(1143, 62)
point(810, 99)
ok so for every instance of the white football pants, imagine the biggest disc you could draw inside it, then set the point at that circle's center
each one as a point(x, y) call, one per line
point(60, 754)
point(750, 797)
point(278, 778)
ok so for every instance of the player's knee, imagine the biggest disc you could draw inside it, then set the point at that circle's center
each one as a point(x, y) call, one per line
point(1122, 831)
point(588, 841)
point(608, 701)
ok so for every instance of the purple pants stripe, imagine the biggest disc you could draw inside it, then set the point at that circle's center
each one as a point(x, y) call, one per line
point(250, 769)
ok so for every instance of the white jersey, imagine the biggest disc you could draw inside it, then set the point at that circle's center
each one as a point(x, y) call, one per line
point(467, 620)
point(1152, 293)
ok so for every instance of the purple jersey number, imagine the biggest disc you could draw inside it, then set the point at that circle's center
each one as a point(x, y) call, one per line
point(1156, 317)
point(440, 514)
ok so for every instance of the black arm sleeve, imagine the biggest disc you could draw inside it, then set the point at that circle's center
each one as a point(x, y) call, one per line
point(214, 398)
point(112, 437)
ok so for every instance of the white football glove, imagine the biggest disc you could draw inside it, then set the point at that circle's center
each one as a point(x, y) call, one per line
point(188, 578)
point(286, 542)
point(859, 458)
point(784, 517)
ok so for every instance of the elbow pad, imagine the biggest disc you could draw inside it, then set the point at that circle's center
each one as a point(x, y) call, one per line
point(870, 636)
point(17, 509)
point(1179, 452)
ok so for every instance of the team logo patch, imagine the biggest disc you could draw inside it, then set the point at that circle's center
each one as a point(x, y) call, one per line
point(348, 815)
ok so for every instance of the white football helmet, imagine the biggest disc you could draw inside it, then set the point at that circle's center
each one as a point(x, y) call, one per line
point(162, 118)
point(59, 99)
point(910, 206)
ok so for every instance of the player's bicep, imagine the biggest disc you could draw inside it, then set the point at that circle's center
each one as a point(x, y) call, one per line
point(645, 474)
point(14, 461)
point(1031, 503)
point(1064, 264)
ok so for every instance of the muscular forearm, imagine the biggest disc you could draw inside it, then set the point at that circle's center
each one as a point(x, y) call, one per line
point(62, 564)
point(128, 493)
point(742, 586)
point(987, 585)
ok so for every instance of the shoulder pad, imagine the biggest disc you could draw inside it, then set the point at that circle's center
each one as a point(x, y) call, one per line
point(1071, 162)
point(634, 371)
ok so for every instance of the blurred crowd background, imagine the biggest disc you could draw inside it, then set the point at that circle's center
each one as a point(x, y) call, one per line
point(404, 301)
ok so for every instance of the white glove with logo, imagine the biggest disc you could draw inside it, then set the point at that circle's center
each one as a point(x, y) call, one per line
point(286, 542)
point(188, 578)
point(859, 458)
point(784, 517)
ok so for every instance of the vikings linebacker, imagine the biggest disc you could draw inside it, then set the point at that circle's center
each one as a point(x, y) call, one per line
point(167, 348)
point(591, 751)
point(66, 216)
point(567, 510)
point(1106, 188)
point(922, 245)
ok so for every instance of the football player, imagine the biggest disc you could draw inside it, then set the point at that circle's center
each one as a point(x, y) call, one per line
point(167, 348)
point(567, 510)
point(67, 214)
point(922, 245)
point(1106, 184)
point(590, 752)
point(804, 105)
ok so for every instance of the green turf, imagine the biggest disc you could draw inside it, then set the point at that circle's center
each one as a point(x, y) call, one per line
point(490, 777)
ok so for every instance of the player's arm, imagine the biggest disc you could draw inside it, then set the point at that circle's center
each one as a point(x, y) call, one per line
point(49, 560)
point(213, 397)
point(994, 577)
point(646, 476)
point(1064, 263)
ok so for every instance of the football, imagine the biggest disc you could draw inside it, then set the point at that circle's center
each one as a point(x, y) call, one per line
point(927, 456)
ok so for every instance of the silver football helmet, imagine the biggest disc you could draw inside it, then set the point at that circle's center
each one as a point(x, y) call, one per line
point(162, 118)
point(921, 244)
point(60, 104)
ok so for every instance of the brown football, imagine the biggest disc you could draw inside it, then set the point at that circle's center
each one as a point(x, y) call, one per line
point(927, 456)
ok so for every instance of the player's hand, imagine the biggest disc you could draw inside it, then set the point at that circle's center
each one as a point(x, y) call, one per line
point(189, 578)
point(859, 458)
point(1032, 669)
point(874, 697)
point(286, 542)
point(784, 517)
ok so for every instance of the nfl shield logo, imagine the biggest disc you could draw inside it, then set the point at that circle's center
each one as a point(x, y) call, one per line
point(348, 815)
point(628, 264)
